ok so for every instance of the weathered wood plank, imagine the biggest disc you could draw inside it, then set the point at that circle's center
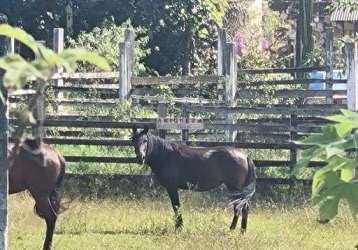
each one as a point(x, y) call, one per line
point(86, 75)
point(128, 160)
point(176, 100)
point(86, 87)
point(318, 109)
point(284, 70)
point(177, 80)
point(100, 159)
point(352, 66)
point(238, 126)
point(285, 82)
point(246, 93)
point(243, 144)
point(93, 124)
point(86, 101)
point(22, 92)
point(88, 141)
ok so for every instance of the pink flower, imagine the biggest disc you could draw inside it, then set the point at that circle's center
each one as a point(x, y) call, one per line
point(264, 44)
point(239, 42)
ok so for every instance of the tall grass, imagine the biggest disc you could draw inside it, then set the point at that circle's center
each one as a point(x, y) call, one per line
point(146, 223)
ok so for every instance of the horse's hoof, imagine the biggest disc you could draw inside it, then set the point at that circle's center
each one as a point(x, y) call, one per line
point(178, 227)
point(323, 221)
point(243, 230)
point(232, 228)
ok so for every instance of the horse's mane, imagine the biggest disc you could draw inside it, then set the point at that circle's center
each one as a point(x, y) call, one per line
point(161, 144)
point(32, 143)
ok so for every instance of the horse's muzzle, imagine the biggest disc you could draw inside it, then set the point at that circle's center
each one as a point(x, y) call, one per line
point(140, 160)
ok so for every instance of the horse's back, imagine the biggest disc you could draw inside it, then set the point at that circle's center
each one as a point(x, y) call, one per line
point(212, 166)
point(37, 171)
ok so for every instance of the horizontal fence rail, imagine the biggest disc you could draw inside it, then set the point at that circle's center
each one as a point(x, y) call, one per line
point(314, 109)
point(283, 70)
point(287, 82)
point(177, 80)
point(240, 125)
point(244, 93)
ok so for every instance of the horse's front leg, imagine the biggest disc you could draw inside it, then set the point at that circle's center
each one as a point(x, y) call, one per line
point(174, 198)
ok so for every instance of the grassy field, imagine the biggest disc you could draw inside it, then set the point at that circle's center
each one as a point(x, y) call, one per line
point(146, 223)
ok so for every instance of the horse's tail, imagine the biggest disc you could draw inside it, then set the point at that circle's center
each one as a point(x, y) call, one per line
point(242, 199)
point(55, 198)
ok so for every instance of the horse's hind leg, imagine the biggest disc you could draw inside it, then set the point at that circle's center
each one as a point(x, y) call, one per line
point(233, 191)
point(235, 219)
point(45, 210)
point(245, 215)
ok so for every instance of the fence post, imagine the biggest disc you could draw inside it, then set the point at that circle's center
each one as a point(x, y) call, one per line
point(4, 181)
point(39, 110)
point(221, 51)
point(126, 53)
point(230, 85)
point(293, 151)
point(329, 62)
point(351, 50)
point(129, 38)
point(185, 117)
point(162, 113)
point(58, 46)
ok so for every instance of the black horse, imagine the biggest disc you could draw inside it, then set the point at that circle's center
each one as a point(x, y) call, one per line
point(182, 167)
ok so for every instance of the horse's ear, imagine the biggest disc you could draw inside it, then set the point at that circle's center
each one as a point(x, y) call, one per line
point(134, 130)
point(145, 131)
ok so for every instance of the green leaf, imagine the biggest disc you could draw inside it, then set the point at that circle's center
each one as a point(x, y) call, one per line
point(323, 182)
point(20, 35)
point(307, 155)
point(18, 71)
point(74, 55)
point(347, 174)
point(346, 121)
point(351, 195)
point(328, 208)
point(329, 134)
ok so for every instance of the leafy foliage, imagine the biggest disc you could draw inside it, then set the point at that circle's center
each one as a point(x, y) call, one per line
point(104, 40)
point(336, 180)
point(173, 25)
point(351, 5)
point(18, 71)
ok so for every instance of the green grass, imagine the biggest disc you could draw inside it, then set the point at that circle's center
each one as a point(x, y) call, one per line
point(146, 223)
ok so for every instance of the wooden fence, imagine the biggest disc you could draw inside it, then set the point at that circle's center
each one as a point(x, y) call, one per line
point(260, 126)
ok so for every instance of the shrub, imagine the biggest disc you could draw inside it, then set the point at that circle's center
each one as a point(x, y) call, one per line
point(105, 39)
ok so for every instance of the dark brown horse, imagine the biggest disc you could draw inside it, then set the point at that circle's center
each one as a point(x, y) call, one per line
point(39, 169)
point(201, 169)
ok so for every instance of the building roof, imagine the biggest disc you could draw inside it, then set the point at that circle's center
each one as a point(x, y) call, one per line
point(344, 14)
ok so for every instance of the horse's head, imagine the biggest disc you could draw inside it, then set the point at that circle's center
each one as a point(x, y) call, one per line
point(140, 144)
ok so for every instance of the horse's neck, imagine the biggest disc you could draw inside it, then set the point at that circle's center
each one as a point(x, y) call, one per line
point(159, 156)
